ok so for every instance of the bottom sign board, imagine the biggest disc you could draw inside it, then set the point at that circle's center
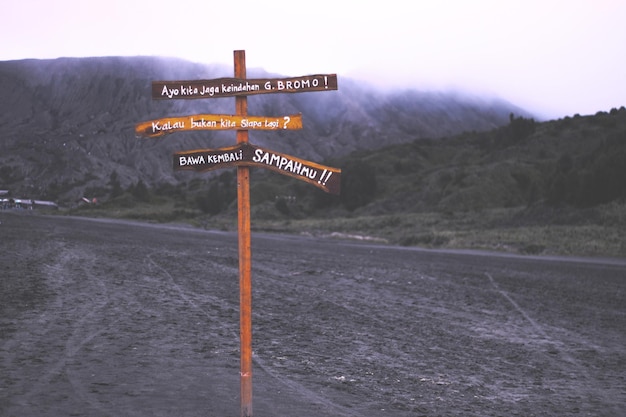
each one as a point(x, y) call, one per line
point(202, 160)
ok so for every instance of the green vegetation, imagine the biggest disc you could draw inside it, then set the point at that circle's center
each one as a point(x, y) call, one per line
point(556, 187)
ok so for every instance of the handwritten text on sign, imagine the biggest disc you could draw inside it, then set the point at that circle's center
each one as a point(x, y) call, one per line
point(229, 87)
point(324, 177)
point(160, 127)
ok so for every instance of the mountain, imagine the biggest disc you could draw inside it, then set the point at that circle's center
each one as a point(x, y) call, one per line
point(576, 161)
point(68, 124)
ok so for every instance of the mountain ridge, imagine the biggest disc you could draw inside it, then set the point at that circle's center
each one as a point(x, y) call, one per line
point(68, 123)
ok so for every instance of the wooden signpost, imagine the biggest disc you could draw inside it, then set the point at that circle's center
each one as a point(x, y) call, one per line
point(242, 155)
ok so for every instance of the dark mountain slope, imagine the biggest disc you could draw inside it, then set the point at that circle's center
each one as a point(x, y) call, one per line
point(68, 124)
point(578, 162)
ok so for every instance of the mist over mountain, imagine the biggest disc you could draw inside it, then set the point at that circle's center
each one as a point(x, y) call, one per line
point(68, 124)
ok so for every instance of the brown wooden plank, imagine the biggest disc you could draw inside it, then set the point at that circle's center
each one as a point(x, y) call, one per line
point(230, 87)
point(160, 127)
point(203, 160)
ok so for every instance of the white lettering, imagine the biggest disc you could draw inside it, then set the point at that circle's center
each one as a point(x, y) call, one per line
point(191, 160)
point(227, 123)
point(252, 124)
point(257, 155)
point(211, 91)
point(283, 163)
point(225, 158)
point(169, 92)
point(308, 172)
point(157, 126)
point(294, 84)
point(203, 124)
point(238, 88)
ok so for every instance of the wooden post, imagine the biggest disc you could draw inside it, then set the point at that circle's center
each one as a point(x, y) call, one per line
point(243, 155)
point(245, 252)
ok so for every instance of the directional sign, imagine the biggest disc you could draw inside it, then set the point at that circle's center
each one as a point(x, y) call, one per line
point(229, 87)
point(242, 155)
point(160, 127)
point(202, 160)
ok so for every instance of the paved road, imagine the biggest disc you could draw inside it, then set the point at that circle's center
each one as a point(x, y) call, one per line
point(103, 318)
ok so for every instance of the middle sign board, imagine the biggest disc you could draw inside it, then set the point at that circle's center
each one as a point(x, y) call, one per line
point(160, 127)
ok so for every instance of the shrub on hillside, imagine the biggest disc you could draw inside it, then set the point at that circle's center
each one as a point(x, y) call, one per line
point(358, 184)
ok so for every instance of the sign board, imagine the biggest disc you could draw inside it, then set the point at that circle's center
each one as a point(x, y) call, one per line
point(160, 127)
point(229, 87)
point(202, 160)
point(242, 155)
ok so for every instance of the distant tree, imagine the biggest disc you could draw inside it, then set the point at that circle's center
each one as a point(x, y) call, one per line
point(564, 186)
point(520, 128)
point(222, 191)
point(565, 163)
point(556, 192)
point(140, 191)
point(321, 200)
point(6, 173)
point(604, 180)
point(358, 184)
point(282, 206)
point(114, 184)
point(52, 191)
point(210, 202)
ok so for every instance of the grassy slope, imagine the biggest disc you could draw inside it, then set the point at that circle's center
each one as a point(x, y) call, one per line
point(533, 188)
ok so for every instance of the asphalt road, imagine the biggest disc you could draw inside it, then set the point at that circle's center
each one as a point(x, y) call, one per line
point(104, 318)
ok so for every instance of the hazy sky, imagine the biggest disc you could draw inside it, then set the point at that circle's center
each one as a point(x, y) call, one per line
point(552, 57)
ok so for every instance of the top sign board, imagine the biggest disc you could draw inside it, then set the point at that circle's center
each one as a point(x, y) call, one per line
point(229, 87)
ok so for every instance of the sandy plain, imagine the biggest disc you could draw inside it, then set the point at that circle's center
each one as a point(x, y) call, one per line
point(109, 318)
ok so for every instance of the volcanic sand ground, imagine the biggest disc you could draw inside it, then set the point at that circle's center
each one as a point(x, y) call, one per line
point(103, 318)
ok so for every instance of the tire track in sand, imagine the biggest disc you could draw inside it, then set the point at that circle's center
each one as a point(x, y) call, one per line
point(68, 317)
point(551, 354)
point(299, 391)
point(77, 316)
